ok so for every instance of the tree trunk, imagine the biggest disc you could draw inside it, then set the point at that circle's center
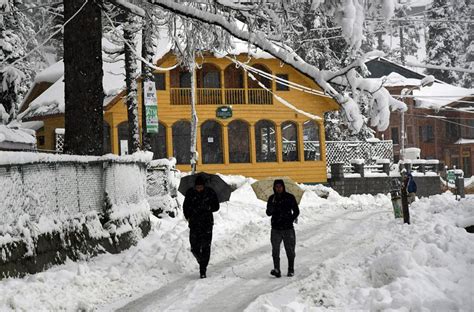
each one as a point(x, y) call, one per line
point(131, 83)
point(83, 91)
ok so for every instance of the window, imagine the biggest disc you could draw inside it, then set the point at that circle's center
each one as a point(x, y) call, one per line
point(426, 134)
point(234, 85)
point(453, 130)
point(184, 79)
point(265, 141)
point(158, 142)
point(409, 135)
point(107, 147)
point(312, 149)
point(182, 141)
point(470, 129)
point(211, 142)
point(208, 76)
point(239, 145)
point(394, 133)
point(256, 93)
point(289, 138)
point(123, 138)
point(41, 140)
point(282, 87)
point(160, 82)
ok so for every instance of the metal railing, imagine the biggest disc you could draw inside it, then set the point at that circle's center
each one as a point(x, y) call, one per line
point(213, 96)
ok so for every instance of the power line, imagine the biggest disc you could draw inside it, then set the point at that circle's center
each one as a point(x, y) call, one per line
point(49, 38)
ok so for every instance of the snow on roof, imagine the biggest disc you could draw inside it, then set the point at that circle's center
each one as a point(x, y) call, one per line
point(17, 135)
point(439, 95)
point(51, 74)
point(464, 141)
point(433, 97)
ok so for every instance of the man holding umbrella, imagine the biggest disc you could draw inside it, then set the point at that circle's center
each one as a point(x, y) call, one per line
point(199, 203)
point(283, 208)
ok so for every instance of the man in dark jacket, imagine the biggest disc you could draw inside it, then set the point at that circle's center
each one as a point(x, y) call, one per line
point(199, 204)
point(283, 209)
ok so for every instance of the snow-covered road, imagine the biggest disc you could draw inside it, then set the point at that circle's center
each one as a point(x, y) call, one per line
point(351, 255)
point(232, 285)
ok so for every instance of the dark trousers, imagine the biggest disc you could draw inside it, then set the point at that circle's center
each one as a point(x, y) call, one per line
point(289, 241)
point(201, 246)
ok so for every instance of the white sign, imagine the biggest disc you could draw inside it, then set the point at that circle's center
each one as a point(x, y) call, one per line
point(210, 139)
point(123, 147)
point(151, 107)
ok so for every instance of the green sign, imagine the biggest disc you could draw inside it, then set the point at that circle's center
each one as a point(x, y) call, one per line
point(451, 177)
point(224, 112)
point(151, 119)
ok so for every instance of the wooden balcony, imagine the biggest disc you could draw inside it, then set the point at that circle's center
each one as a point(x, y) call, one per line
point(220, 96)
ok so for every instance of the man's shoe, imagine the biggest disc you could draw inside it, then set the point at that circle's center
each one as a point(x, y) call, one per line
point(203, 275)
point(291, 273)
point(275, 272)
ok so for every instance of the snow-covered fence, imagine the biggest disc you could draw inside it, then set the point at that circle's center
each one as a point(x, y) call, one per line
point(51, 186)
point(370, 151)
point(59, 206)
point(162, 186)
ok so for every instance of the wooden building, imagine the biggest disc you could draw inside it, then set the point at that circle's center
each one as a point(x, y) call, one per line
point(244, 125)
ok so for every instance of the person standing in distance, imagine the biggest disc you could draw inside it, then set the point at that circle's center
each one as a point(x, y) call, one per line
point(283, 209)
point(199, 204)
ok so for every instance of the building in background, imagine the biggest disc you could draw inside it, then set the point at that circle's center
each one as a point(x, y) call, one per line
point(439, 119)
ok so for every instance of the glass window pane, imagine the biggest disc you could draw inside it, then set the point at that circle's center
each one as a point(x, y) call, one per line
point(265, 141)
point(211, 142)
point(107, 144)
point(184, 79)
point(282, 87)
point(289, 138)
point(158, 142)
point(239, 145)
point(123, 138)
point(160, 82)
point(312, 145)
point(182, 142)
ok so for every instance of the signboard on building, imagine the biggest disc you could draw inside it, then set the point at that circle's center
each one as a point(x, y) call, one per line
point(151, 107)
point(224, 112)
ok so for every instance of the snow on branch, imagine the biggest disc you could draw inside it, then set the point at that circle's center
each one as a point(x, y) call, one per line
point(382, 99)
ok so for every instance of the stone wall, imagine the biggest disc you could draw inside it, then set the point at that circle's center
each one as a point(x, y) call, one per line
point(55, 207)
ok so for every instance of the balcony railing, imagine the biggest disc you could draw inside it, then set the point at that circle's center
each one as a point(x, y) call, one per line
point(213, 96)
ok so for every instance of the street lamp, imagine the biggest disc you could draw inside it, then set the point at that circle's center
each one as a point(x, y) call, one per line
point(425, 82)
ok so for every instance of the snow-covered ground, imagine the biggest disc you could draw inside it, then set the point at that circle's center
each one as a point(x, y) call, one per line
point(351, 255)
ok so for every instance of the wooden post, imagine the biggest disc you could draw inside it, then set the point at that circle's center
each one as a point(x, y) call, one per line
point(253, 145)
point(225, 144)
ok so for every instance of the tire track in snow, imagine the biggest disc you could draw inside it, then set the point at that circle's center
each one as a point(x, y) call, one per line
point(234, 284)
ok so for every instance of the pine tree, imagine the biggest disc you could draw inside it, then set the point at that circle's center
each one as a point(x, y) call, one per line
point(445, 40)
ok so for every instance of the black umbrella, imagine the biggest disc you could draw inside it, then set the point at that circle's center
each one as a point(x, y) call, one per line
point(213, 181)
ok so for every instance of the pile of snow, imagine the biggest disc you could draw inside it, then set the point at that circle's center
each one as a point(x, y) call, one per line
point(351, 255)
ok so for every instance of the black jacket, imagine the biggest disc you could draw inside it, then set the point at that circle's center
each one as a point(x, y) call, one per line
point(284, 210)
point(198, 208)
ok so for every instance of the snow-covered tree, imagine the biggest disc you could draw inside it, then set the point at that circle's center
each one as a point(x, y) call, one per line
point(445, 39)
point(266, 24)
point(16, 38)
